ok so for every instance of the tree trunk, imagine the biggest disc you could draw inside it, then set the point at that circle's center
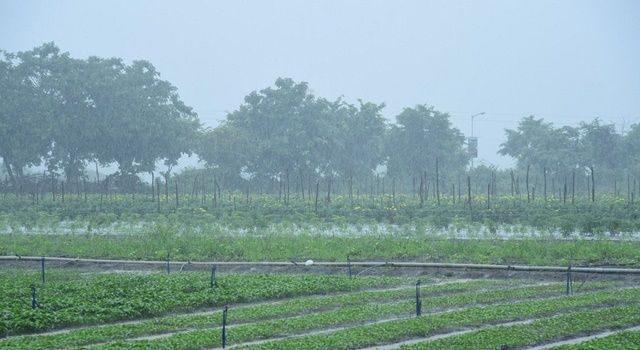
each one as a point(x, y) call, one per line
point(527, 185)
point(12, 177)
point(544, 174)
point(437, 183)
point(593, 186)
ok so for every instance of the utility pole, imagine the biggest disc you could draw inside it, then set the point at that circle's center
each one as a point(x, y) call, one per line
point(473, 142)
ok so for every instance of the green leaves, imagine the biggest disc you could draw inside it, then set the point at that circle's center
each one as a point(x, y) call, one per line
point(71, 111)
point(80, 299)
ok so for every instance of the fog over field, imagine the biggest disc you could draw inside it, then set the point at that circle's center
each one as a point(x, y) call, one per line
point(564, 61)
point(320, 174)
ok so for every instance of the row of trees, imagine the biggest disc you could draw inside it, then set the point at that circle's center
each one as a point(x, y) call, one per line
point(563, 150)
point(66, 113)
point(69, 113)
point(284, 132)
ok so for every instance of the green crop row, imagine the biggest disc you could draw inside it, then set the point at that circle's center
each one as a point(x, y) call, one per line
point(607, 214)
point(239, 314)
point(346, 316)
point(399, 330)
point(98, 298)
point(415, 246)
point(627, 340)
point(541, 331)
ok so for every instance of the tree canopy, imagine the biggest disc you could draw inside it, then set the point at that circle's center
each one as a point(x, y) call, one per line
point(540, 144)
point(286, 131)
point(65, 112)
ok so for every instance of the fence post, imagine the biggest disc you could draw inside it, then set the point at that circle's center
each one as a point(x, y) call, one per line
point(34, 301)
point(418, 300)
point(42, 266)
point(168, 264)
point(213, 277)
point(224, 326)
point(349, 266)
point(157, 190)
point(569, 281)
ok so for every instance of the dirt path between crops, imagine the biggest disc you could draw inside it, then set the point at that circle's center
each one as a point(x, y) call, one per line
point(202, 312)
point(324, 331)
point(167, 334)
point(308, 334)
point(447, 335)
point(466, 330)
point(209, 310)
point(321, 331)
point(377, 270)
point(582, 339)
point(398, 344)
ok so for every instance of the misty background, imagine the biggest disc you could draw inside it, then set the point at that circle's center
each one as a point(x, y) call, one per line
point(564, 61)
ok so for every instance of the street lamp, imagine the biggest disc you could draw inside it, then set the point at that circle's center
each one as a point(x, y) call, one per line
point(473, 141)
point(472, 117)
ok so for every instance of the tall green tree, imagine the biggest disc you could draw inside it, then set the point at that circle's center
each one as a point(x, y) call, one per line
point(25, 108)
point(141, 118)
point(285, 131)
point(226, 149)
point(631, 147)
point(71, 111)
point(361, 133)
point(601, 145)
point(539, 144)
point(420, 136)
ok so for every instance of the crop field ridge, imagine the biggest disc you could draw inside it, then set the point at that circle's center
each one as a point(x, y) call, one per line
point(551, 332)
point(235, 325)
point(276, 302)
point(396, 345)
point(367, 336)
point(211, 310)
point(343, 325)
point(582, 339)
point(415, 340)
point(467, 330)
point(446, 335)
point(301, 334)
point(306, 311)
point(380, 321)
point(158, 325)
point(306, 334)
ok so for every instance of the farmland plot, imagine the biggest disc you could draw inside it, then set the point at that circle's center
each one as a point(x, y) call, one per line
point(183, 310)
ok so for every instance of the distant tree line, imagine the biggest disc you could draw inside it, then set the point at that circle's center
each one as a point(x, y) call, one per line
point(561, 152)
point(70, 114)
point(66, 113)
point(285, 133)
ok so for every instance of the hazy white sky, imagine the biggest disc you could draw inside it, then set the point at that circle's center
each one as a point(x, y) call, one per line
point(564, 61)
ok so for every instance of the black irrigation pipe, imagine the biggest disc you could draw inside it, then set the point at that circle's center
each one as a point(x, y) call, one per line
point(366, 264)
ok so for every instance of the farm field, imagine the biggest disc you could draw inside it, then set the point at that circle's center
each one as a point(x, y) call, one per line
point(245, 208)
point(181, 310)
point(137, 306)
point(509, 231)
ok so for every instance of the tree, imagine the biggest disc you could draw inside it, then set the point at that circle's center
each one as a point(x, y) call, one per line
point(73, 122)
point(227, 150)
point(25, 108)
point(71, 111)
point(143, 119)
point(631, 147)
point(601, 146)
point(420, 136)
point(284, 131)
point(361, 138)
point(538, 144)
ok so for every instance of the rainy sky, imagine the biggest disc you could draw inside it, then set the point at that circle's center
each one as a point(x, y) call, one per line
point(565, 61)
